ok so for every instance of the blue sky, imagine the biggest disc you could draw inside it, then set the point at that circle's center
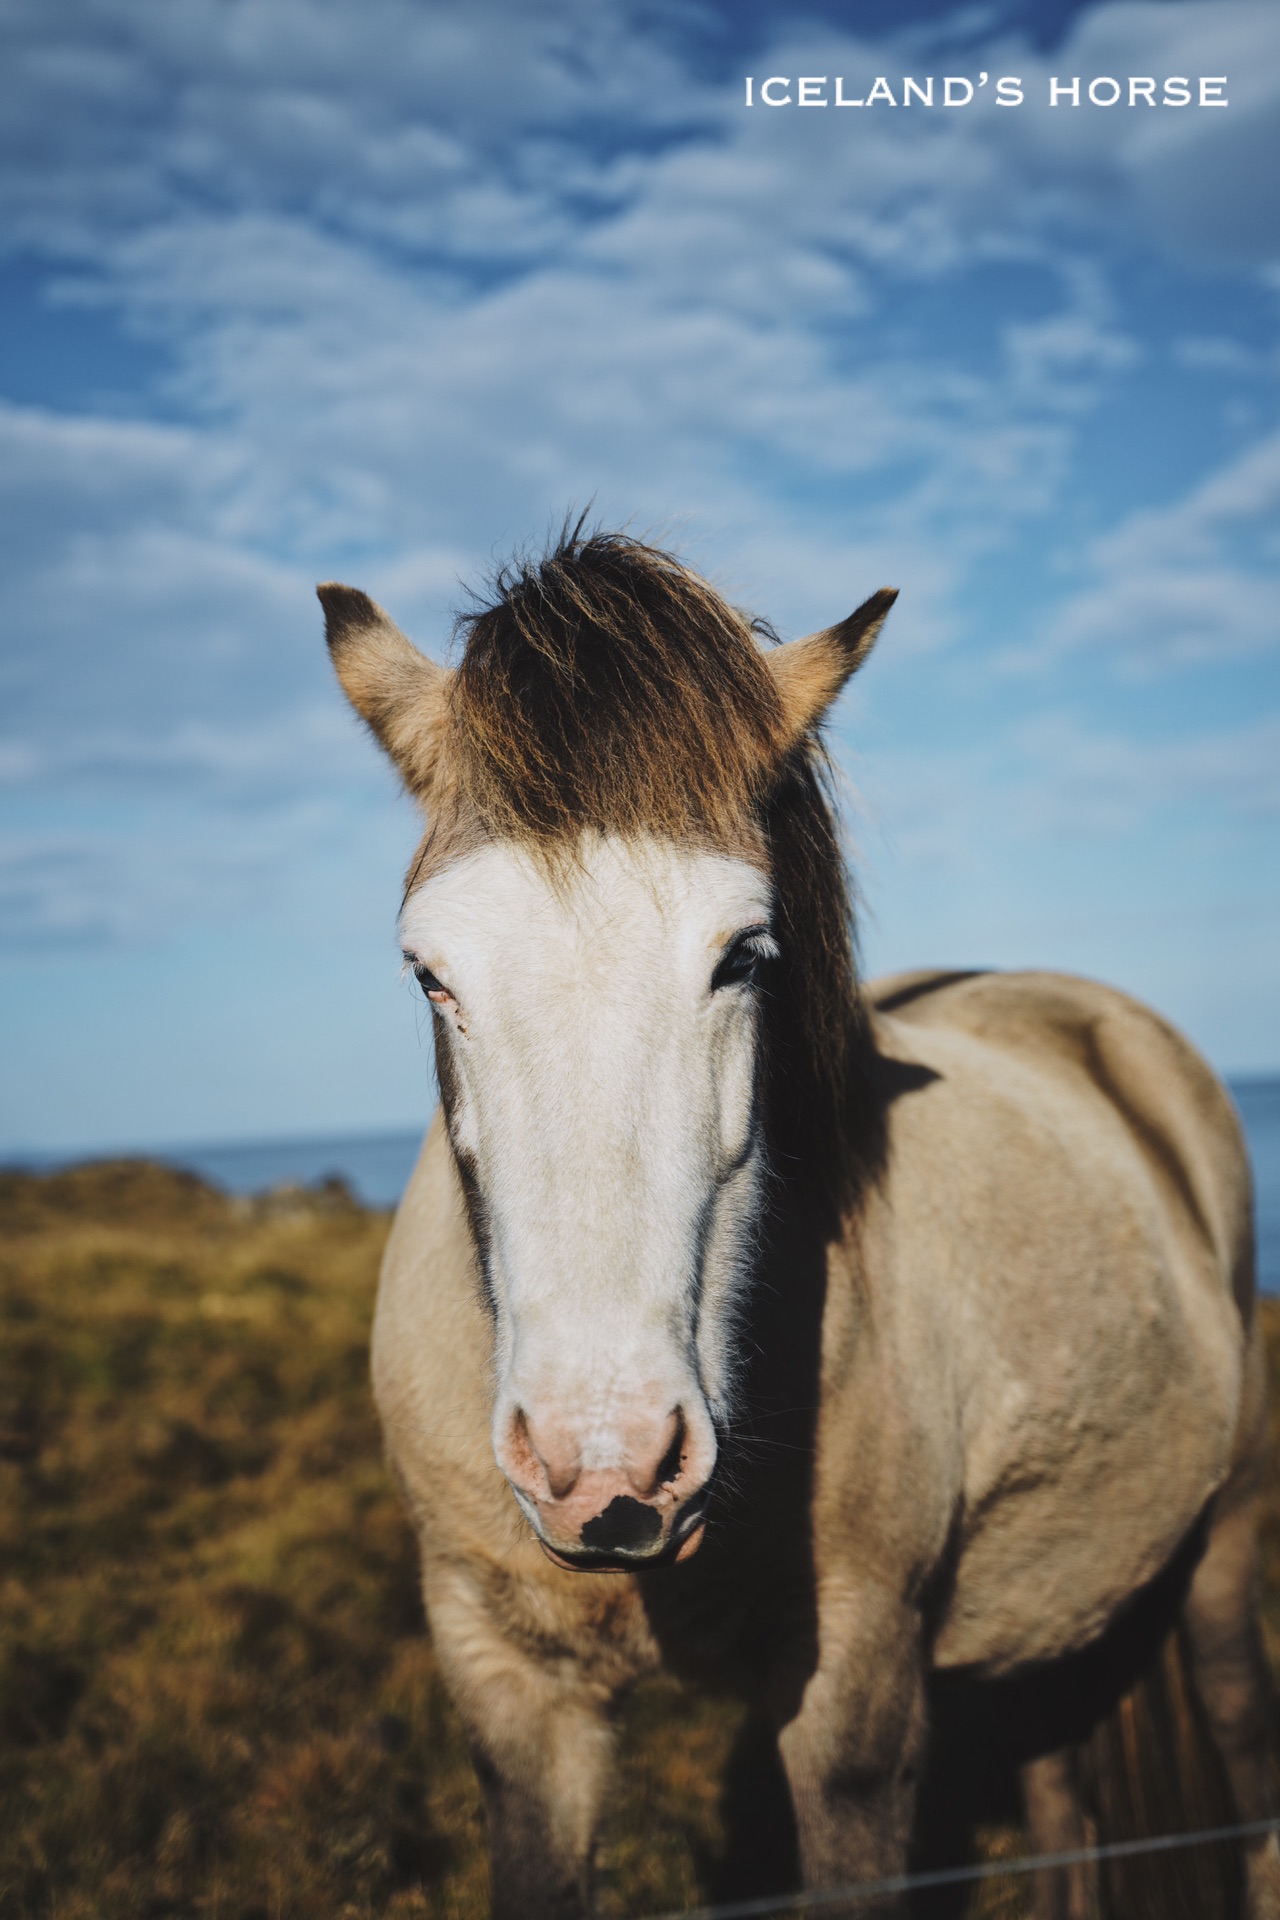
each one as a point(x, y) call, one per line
point(292, 289)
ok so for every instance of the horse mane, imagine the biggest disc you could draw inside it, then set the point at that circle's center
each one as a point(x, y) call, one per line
point(606, 687)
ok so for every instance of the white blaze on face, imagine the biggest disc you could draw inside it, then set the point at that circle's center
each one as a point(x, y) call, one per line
point(602, 1034)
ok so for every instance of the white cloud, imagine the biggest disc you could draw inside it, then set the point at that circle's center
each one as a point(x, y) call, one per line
point(233, 765)
point(1198, 179)
point(1220, 353)
point(1104, 782)
point(1009, 814)
point(96, 887)
point(363, 116)
point(428, 275)
point(1196, 580)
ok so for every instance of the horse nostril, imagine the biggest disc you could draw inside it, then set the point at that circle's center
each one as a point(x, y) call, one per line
point(673, 1459)
point(625, 1523)
point(536, 1457)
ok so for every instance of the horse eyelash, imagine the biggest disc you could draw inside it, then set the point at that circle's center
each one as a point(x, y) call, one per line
point(428, 981)
point(757, 941)
point(762, 943)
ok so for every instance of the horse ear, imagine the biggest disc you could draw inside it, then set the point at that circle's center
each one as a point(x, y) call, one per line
point(809, 673)
point(397, 691)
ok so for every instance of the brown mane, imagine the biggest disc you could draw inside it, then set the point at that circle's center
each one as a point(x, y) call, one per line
point(608, 687)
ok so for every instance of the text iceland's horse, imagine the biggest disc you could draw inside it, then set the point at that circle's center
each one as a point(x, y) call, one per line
point(830, 1341)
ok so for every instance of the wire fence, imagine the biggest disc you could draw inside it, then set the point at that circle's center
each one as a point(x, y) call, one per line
point(813, 1902)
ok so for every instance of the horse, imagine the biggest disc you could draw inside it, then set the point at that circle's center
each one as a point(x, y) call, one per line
point(840, 1345)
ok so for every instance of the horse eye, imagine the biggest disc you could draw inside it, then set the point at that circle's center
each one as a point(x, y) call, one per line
point(740, 964)
point(430, 985)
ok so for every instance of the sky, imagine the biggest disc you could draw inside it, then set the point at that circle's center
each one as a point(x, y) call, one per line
point(379, 289)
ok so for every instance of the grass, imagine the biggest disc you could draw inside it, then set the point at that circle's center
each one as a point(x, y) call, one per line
point(216, 1695)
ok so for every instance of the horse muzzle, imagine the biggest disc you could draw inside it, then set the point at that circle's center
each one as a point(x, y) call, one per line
point(646, 1507)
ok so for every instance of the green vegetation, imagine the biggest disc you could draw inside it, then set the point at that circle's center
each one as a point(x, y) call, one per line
point(216, 1695)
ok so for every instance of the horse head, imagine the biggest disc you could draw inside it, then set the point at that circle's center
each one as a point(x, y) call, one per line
point(619, 787)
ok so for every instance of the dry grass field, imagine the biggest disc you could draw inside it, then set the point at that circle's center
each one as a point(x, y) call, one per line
point(216, 1696)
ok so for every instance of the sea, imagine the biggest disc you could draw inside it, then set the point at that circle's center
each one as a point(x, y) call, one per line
point(376, 1166)
point(1259, 1104)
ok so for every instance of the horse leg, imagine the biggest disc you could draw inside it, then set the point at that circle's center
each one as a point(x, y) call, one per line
point(1232, 1679)
point(852, 1756)
point(542, 1747)
point(1056, 1824)
point(542, 1792)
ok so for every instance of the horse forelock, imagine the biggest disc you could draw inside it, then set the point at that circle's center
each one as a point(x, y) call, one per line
point(606, 689)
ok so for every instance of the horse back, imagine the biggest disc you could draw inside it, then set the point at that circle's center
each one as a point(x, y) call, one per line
point(1091, 1039)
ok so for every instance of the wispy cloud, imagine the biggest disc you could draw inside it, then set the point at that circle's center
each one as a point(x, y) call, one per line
point(1195, 581)
point(420, 278)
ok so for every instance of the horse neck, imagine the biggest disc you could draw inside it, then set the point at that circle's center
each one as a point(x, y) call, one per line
point(824, 1121)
